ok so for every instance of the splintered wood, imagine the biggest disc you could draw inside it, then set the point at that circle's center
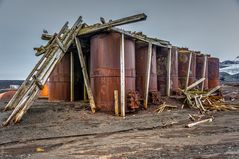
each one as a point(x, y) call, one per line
point(205, 101)
point(164, 106)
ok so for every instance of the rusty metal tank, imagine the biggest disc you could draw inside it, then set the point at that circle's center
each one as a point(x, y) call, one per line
point(59, 81)
point(105, 68)
point(141, 56)
point(183, 61)
point(174, 70)
point(162, 56)
point(200, 58)
point(213, 72)
point(162, 63)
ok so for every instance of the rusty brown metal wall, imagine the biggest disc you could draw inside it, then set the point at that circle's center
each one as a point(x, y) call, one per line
point(162, 56)
point(199, 69)
point(141, 56)
point(183, 60)
point(174, 71)
point(213, 72)
point(105, 68)
point(59, 81)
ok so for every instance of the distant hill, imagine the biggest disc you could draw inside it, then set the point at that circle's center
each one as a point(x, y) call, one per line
point(6, 83)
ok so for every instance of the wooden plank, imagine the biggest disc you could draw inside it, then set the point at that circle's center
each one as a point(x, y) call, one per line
point(169, 64)
point(157, 42)
point(204, 71)
point(85, 75)
point(116, 98)
point(122, 76)
point(189, 68)
point(195, 84)
point(72, 77)
point(148, 68)
point(122, 21)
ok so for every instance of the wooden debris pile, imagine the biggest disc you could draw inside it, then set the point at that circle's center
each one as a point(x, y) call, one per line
point(206, 101)
point(163, 107)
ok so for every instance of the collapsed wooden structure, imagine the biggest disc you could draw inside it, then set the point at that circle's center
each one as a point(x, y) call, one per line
point(60, 43)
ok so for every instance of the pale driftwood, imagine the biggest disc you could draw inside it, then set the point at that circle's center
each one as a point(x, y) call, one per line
point(195, 84)
point(72, 76)
point(204, 71)
point(85, 75)
point(148, 68)
point(213, 90)
point(189, 68)
point(122, 76)
point(169, 63)
point(122, 21)
point(199, 122)
point(116, 99)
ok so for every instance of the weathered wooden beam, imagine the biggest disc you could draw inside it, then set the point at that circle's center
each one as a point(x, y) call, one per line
point(195, 84)
point(213, 90)
point(160, 43)
point(122, 21)
point(199, 122)
point(204, 71)
point(169, 64)
point(72, 77)
point(85, 75)
point(189, 68)
point(122, 76)
point(148, 68)
point(116, 98)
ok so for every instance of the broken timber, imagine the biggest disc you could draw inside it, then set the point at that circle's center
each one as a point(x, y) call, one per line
point(148, 68)
point(85, 75)
point(29, 90)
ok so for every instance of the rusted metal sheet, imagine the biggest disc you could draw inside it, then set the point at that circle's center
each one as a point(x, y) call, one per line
point(105, 68)
point(183, 61)
point(200, 58)
point(174, 71)
point(162, 55)
point(59, 81)
point(141, 55)
point(213, 72)
point(45, 92)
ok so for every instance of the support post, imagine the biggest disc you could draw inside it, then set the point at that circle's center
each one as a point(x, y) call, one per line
point(72, 77)
point(169, 63)
point(189, 68)
point(204, 71)
point(122, 76)
point(148, 68)
point(116, 97)
point(85, 75)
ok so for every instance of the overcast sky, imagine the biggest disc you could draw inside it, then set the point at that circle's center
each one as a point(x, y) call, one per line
point(207, 25)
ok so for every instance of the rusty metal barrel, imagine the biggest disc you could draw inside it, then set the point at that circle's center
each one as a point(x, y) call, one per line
point(162, 56)
point(141, 56)
point(183, 64)
point(162, 73)
point(213, 72)
point(59, 81)
point(105, 68)
point(200, 61)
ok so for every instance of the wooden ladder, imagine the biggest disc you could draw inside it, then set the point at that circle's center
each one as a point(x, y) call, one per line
point(53, 53)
